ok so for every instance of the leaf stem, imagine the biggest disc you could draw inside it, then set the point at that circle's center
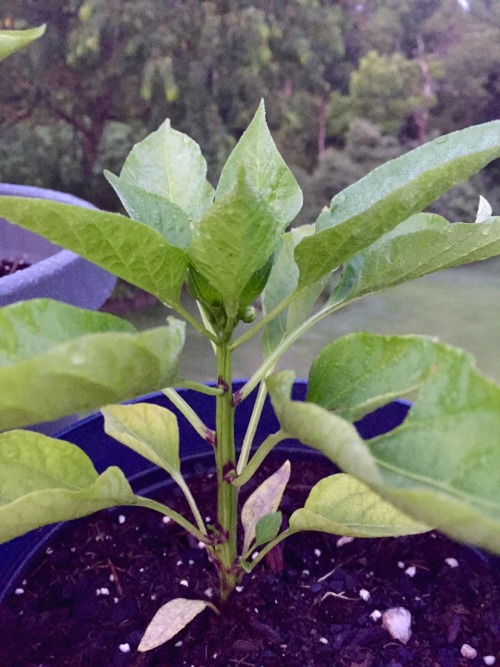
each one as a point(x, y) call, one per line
point(280, 349)
point(267, 548)
point(175, 516)
point(185, 409)
point(191, 502)
point(198, 386)
point(194, 323)
point(259, 456)
point(252, 428)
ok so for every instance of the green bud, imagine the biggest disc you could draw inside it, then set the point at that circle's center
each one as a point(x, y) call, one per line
point(247, 314)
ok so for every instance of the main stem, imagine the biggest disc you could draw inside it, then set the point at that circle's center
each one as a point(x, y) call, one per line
point(225, 456)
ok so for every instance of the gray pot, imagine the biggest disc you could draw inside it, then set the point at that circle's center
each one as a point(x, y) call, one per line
point(54, 273)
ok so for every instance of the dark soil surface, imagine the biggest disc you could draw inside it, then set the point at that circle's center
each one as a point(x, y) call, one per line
point(88, 598)
point(8, 266)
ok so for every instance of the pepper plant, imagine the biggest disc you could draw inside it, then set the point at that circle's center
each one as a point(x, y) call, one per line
point(440, 468)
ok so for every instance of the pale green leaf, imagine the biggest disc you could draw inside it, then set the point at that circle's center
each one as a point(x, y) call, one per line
point(342, 505)
point(148, 429)
point(314, 426)
point(441, 466)
point(29, 328)
point(167, 218)
point(423, 244)
point(129, 249)
point(374, 205)
point(360, 372)
point(168, 163)
point(82, 362)
point(14, 40)
point(44, 480)
point(265, 169)
point(170, 619)
point(282, 283)
point(267, 527)
point(234, 239)
point(264, 500)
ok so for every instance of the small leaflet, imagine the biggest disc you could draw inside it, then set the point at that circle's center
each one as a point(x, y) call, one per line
point(171, 619)
point(264, 500)
point(484, 210)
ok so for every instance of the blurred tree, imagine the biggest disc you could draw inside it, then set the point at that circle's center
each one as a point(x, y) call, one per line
point(386, 90)
point(468, 45)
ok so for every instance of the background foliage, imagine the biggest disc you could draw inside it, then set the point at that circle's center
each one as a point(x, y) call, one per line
point(348, 85)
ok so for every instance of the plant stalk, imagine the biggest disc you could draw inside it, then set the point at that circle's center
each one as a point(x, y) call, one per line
point(225, 456)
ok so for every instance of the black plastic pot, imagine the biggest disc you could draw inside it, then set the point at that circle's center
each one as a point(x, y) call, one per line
point(104, 451)
point(53, 272)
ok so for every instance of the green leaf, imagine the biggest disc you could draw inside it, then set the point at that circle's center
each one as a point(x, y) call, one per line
point(336, 438)
point(234, 239)
point(441, 466)
point(149, 430)
point(267, 527)
point(423, 244)
point(360, 372)
point(14, 40)
point(342, 505)
point(29, 328)
point(170, 619)
point(374, 205)
point(168, 163)
point(167, 218)
point(129, 249)
point(44, 480)
point(264, 500)
point(282, 282)
point(57, 359)
point(265, 169)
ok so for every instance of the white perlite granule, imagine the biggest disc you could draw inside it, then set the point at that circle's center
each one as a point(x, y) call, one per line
point(468, 652)
point(489, 659)
point(124, 648)
point(397, 621)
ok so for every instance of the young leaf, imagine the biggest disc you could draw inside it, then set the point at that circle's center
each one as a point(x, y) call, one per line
point(342, 505)
point(267, 527)
point(374, 205)
point(44, 480)
point(14, 40)
point(264, 500)
point(265, 169)
point(423, 244)
point(148, 429)
point(234, 239)
point(282, 282)
point(81, 361)
point(168, 163)
point(167, 218)
point(129, 249)
point(171, 619)
point(360, 372)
